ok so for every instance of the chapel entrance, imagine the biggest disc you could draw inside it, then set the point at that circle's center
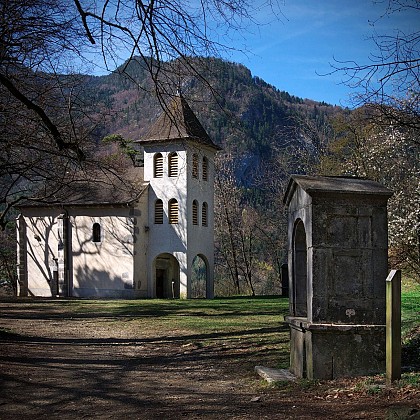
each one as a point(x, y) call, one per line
point(166, 277)
point(160, 279)
point(199, 276)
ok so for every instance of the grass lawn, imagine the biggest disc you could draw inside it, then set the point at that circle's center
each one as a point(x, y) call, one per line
point(221, 315)
point(255, 323)
point(253, 326)
point(410, 328)
point(235, 316)
point(102, 356)
point(410, 306)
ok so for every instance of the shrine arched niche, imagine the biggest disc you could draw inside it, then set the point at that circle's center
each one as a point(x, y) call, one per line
point(300, 270)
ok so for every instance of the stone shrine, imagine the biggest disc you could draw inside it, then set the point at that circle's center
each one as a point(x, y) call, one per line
point(337, 261)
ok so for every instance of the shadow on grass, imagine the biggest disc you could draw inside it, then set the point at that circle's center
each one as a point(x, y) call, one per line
point(8, 336)
point(51, 308)
point(106, 370)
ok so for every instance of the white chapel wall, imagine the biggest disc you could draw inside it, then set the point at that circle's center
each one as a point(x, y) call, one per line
point(41, 252)
point(166, 237)
point(103, 268)
point(141, 245)
point(201, 238)
point(182, 240)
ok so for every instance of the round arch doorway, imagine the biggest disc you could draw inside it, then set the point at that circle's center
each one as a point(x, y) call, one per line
point(166, 268)
point(199, 277)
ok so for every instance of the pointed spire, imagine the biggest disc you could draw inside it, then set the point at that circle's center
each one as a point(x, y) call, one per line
point(178, 122)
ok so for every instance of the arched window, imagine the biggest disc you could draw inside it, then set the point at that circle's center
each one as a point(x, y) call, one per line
point(204, 214)
point(205, 169)
point(96, 232)
point(173, 211)
point(173, 165)
point(158, 165)
point(195, 165)
point(158, 212)
point(195, 212)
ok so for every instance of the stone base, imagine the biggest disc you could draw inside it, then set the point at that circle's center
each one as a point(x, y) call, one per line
point(330, 351)
point(274, 375)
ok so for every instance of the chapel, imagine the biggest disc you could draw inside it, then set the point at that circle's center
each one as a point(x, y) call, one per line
point(141, 235)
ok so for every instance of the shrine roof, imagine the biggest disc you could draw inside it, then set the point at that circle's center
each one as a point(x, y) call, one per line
point(334, 184)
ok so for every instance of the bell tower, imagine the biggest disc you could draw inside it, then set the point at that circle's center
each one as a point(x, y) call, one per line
point(179, 167)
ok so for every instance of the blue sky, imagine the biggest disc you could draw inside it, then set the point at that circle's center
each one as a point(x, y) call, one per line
point(290, 52)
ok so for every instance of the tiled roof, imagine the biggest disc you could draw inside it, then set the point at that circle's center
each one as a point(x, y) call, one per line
point(178, 122)
point(93, 189)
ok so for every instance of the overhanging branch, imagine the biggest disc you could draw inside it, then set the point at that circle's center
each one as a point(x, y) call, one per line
point(52, 128)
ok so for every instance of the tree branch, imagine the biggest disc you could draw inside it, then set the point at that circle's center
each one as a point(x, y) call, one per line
point(84, 15)
point(52, 128)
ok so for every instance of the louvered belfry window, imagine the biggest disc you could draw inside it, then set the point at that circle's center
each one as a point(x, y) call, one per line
point(205, 169)
point(158, 212)
point(173, 211)
point(173, 165)
point(195, 212)
point(204, 214)
point(158, 165)
point(195, 166)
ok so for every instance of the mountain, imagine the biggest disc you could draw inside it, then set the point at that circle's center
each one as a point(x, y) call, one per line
point(243, 114)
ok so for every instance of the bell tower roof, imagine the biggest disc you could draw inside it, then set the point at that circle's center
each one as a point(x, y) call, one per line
point(177, 122)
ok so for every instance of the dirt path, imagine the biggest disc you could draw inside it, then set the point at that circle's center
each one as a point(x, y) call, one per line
point(72, 368)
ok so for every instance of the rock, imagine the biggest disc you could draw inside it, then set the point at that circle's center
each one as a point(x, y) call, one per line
point(274, 375)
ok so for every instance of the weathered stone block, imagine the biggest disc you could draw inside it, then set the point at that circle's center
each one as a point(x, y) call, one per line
point(342, 224)
point(346, 351)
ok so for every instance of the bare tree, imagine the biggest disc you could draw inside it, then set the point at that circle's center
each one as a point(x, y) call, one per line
point(390, 79)
point(45, 120)
point(250, 239)
point(227, 206)
point(44, 124)
point(7, 258)
point(381, 139)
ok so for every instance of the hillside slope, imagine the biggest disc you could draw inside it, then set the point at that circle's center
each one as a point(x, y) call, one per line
point(246, 116)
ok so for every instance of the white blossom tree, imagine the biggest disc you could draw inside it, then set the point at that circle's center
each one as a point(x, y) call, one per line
point(387, 154)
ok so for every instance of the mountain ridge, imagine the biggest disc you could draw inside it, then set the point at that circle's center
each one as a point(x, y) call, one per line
point(243, 114)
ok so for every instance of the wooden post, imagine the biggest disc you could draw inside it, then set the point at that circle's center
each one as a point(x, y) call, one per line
point(393, 326)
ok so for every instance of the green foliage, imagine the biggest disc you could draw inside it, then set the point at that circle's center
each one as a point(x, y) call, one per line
point(125, 146)
point(410, 310)
point(409, 379)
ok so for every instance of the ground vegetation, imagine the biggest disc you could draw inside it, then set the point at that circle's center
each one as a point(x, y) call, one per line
point(71, 358)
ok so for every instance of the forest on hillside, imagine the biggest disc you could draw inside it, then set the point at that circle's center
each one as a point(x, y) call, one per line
point(266, 135)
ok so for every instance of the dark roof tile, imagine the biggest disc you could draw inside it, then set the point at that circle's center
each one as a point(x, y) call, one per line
point(93, 189)
point(178, 122)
